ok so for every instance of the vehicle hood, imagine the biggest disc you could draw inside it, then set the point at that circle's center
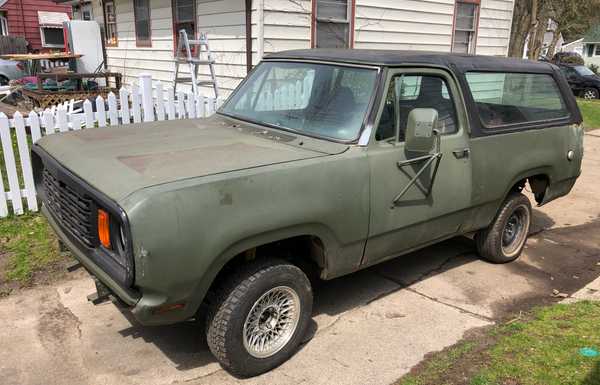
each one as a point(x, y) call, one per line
point(593, 78)
point(121, 160)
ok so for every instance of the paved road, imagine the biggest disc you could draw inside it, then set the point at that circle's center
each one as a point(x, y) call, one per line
point(369, 328)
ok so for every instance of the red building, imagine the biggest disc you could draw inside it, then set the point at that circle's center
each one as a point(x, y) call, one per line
point(38, 21)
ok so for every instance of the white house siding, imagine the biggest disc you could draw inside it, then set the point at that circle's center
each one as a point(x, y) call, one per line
point(387, 24)
point(130, 60)
point(495, 20)
point(379, 24)
point(286, 24)
point(225, 23)
point(223, 20)
point(404, 24)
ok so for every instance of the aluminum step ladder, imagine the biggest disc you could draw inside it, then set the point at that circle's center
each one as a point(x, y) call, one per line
point(186, 55)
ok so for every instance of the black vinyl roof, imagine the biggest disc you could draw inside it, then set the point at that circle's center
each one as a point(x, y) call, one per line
point(463, 63)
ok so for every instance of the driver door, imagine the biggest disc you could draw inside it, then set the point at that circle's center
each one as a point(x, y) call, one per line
point(435, 206)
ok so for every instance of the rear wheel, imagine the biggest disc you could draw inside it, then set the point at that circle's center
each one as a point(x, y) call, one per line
point(259, 317)
point(590, 93)
point(504, 239)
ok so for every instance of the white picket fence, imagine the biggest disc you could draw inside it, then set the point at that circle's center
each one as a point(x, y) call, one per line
point(141, 103)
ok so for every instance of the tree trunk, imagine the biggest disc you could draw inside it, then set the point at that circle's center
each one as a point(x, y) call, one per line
point(536, 36)
point(552, 47)
point(520, 28)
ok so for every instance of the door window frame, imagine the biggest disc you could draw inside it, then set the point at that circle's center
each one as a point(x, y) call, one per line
point(456, 95)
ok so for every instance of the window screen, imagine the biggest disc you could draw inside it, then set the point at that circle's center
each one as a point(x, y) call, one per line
point(465, 24)
point(142, 22)
point(52, 37)
point(332, 24)
point(184, 12)
point(110, 23)
point(512, 98)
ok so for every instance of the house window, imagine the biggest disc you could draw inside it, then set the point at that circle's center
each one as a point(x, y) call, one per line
point(465, 27)
point(184, 17)
point(52, 37)
point(141, 13)
point(110, 23)
point(597, 51)
point(333, 27)
point(86, 12)
point(3, 26)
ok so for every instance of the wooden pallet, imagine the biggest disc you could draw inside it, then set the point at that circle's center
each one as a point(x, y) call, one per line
point(45, 99)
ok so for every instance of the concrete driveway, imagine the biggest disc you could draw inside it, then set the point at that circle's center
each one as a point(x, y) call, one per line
point(369, 328)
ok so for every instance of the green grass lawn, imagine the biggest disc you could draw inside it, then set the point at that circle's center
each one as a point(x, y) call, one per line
point(28, 247)
point(591, 113)
point(543, 350)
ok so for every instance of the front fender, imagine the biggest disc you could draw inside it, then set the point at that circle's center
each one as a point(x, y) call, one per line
point(185, 232)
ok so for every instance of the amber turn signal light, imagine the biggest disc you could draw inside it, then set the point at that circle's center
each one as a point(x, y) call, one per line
point(104, 228)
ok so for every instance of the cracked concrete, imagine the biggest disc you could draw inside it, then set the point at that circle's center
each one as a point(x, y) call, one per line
point(370, 327)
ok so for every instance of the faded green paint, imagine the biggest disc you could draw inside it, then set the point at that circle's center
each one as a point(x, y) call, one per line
point(199, 192)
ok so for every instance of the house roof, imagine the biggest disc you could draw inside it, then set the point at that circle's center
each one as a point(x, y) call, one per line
point(462, 62)
point(592, 35)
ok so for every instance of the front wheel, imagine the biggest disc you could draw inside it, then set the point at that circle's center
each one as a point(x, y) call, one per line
point(259, 317)
point(504, 239)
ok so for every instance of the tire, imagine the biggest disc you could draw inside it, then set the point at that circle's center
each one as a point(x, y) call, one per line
point(504, 239)
point(590, 93)
point(240, 314)
point(3, 80)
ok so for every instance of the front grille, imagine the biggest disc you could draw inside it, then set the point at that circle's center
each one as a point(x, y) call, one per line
point(72, 209)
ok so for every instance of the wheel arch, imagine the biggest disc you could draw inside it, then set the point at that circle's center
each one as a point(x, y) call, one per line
point(317, 239)
point(539, 180)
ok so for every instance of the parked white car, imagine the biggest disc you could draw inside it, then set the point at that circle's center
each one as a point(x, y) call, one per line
point(10, 70)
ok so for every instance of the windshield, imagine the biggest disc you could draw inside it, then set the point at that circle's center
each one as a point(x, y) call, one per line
point(316, 99)
point(583, 71)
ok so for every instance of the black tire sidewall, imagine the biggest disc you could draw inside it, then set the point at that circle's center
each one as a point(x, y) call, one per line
point(489, 241)
point(242, 363)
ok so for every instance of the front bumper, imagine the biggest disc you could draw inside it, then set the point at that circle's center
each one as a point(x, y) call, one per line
point(129, 297)
point(142, 306)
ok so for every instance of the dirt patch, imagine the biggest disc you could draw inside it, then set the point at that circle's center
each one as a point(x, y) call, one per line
point(51, 274)
point(57, 324)
point(456, 364)
point(562, 260)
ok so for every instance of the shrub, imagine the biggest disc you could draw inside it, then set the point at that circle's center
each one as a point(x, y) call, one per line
point(577, 60)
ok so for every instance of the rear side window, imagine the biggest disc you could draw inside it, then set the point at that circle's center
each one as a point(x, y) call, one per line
point(513, 98)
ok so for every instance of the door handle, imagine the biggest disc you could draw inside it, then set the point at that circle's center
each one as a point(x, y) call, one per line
point(462, 153)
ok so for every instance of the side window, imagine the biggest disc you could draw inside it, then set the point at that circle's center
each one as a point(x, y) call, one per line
point(407, 92)
point(512, 98)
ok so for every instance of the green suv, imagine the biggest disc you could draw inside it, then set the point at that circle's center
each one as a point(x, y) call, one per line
point(321, 163)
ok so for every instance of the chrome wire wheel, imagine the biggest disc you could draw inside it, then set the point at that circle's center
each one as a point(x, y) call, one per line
point(271, 322)
point(590, 94)
point(515, 231)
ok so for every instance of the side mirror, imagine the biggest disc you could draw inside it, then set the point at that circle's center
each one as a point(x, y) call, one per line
point(420, 136)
